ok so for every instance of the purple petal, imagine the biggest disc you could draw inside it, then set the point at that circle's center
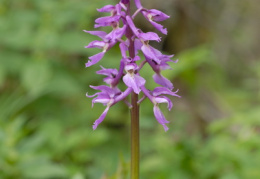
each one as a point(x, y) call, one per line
point(120, 73)
point(100, 34)
point(106, 21)
point(101, 87)
point(159, 79)
point(157, 15)
point(98, 99)
point(132, 25)
point(149, 36)
point(107, 72)
point(157, 52)
point(106, 89)
point(118, 10)
point(100, 119)
point(162, 90)
point(116, 33)
point(120, 31)
point(140, 81)
point(168, 58)
point(94, 59)
point(123, 95)
point(164, 66)
point(108, 80)
point(123, 49)
point(160, 117)
point(130, 82)
point(160, 100)
point(159, 27)
point(164, 99)
point(107, 8)
point(147, 93)
point(91, 96)
point(96, 44)
point(149, 53)
point(104, 99)
point(138, 44)
point(131, 66)
point(138, 4)
point(136, 58)
point(163, 60)
point(153, 64)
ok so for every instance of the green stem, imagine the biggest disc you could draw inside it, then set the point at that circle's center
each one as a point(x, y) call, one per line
point(135, 144)
point(135, 139)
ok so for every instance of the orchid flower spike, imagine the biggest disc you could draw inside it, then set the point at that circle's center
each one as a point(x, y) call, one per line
point(130, 38)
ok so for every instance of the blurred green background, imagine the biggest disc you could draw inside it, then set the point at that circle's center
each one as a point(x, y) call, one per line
point(46, 120)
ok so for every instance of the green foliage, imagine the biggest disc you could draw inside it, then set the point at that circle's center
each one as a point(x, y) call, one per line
point(45, 118)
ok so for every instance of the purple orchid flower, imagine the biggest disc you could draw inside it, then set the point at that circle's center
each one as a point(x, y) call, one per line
point(110, 73)
point(108, 97)
point(144, 37)
point(158, 77)
point(156, 98)
point(153, 15)
point(123, 25)
point(109, 40)
point(112, 20)
point(133, 80)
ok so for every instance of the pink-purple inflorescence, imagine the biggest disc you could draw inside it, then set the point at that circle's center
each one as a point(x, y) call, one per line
point(128, 71)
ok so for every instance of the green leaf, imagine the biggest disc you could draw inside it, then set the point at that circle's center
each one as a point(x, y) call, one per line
point(36, 76)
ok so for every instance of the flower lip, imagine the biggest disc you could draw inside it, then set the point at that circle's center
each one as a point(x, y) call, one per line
point(134, 81)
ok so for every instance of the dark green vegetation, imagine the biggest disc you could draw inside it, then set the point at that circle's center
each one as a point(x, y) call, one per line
point(46, 120)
